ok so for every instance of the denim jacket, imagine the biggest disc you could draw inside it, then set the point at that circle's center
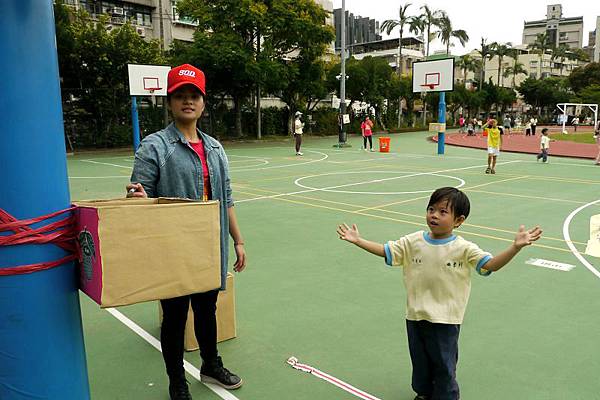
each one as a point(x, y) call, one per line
point(167, 166)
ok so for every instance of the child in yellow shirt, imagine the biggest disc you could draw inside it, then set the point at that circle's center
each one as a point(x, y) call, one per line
point(493, 142)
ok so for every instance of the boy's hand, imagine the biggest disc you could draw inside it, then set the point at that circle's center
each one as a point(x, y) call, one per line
point(525, 237)
point(348, 234)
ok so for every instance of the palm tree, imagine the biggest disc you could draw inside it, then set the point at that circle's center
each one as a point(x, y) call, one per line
point(390, 24)
point(428, 19)
point(467, 63)
point(561, 53)
point(425, 21)
point(485, 52)
point(501, 51)
point(541, 45)
point(446, 33)
point(516, 69)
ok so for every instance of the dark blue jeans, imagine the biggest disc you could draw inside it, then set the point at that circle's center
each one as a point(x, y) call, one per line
point(543, 155)
point(434, 355)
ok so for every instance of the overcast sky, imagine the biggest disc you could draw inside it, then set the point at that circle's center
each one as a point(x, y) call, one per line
point(496, 21)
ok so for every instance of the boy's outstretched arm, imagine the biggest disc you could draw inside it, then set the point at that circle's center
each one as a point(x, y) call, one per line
point(524, 238)
point(351, 235)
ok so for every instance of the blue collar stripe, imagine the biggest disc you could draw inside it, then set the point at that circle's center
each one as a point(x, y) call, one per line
point(429, 240)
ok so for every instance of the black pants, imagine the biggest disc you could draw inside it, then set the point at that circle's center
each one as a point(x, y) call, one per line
point(543, 155)
point(533, 129)
point(434, 355)
point(370, 141)
point(298, 141)
point(173, 328)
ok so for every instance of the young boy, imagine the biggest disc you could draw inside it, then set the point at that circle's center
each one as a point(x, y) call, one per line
point(544, 146)
point(437, 275)
point(493, 142)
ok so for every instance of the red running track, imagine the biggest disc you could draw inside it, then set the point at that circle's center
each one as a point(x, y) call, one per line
point(519, 143)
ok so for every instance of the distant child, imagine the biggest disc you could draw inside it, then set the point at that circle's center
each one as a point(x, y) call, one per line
point(493, 143)
point(461, 124)
point(544, 145)
point(470, 128)
point(437, 275)
point(528, 128)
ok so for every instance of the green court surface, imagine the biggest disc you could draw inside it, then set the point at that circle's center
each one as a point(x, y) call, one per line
point(529, 332)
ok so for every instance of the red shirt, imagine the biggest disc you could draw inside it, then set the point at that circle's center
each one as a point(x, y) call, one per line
point(199, 149)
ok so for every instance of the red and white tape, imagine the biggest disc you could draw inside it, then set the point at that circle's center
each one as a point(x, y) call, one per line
point(293, 361)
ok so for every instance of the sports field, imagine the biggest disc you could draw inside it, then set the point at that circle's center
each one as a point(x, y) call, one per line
point(529, 333)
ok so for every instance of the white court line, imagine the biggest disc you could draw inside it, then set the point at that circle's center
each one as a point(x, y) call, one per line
point(297, 182)
point(363, 183)
point(567, 237)
point(103, 163)
point(286, 165)
point(195, 372)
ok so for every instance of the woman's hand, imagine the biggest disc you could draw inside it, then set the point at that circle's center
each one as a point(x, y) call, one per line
point(136, 190)
point(240, 253)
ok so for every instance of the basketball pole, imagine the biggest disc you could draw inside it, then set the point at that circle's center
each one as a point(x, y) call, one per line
point(42, 355)
point(135, 121)
point(442, 120)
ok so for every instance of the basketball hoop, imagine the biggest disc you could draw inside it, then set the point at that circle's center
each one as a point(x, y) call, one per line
point(430, 86)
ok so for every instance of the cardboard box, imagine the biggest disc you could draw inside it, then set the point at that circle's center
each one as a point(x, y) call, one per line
point(136, 250)
point(226, 325)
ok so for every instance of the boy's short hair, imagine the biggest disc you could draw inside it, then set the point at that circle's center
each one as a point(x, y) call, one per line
point(457, 200)
point(545, 130)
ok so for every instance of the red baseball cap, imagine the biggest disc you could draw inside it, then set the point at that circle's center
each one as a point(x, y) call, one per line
point(186, 74)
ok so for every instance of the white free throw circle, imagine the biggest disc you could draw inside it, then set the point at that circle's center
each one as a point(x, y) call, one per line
point(334, 189)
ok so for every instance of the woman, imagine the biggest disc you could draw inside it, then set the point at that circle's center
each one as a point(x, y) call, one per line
point(367, 132)
point(181, 161)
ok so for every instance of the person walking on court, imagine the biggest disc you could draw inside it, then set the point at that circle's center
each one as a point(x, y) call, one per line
point(182, 161)
point(575, 123)
point(298, 126)
point(366, 128)
point(494, 142)
point(461, 124)
point(506, 122)
point(597, 139)
point(437, 267)
point(544, 146)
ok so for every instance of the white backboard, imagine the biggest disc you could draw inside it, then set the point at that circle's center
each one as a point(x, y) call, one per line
point(148, 80)
point(433, 76)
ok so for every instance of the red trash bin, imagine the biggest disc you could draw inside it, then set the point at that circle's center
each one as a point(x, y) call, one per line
point(384, 144)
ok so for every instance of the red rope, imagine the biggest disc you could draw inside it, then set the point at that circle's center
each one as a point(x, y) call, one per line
point(61, 233)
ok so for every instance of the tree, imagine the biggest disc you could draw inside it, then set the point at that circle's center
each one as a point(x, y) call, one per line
point(467, 63)
point(500, 50)
point(293, 35)
point(446, 33)
point(583, 77)
point(428, 19)
point(516, 68)
point(544, 93)
point(388, 26)
point(542, 44)
point(485, 53)
point(93, 67)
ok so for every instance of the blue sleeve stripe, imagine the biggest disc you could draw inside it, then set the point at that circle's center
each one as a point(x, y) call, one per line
point(388, 254)
point(481, 264)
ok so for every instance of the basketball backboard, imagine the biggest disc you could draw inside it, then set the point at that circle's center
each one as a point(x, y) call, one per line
point(433, 76)
point(148, 80)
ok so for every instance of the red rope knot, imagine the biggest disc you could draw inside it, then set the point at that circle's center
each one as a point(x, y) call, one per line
point(60, 233)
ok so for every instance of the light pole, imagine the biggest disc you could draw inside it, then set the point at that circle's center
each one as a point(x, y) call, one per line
point(342, 134)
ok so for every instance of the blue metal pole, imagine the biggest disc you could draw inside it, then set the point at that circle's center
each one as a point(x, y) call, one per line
point(136, 124)
point(441, 119)
point(42, 355)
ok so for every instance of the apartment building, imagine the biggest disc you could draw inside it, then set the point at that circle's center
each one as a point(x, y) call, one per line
point(560, 30)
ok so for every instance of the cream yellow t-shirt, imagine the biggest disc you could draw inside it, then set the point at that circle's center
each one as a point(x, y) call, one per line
point(437, 274)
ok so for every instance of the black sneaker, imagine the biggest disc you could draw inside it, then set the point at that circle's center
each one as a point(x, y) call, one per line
point(178, 390)
point(214, 372)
